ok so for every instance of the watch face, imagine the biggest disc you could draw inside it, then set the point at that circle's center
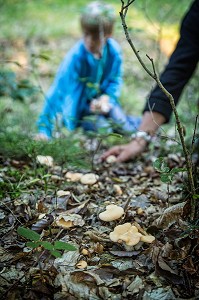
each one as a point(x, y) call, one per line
point(142, 134)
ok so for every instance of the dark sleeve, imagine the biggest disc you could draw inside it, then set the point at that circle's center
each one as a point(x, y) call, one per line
point(181, 65)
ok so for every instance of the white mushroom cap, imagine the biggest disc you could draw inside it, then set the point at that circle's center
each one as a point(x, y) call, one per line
point(126, 233)
point(112, 212)
point(89, 178)
point(147, 238)
point(111, 159)
point(73, 176)
point(45, 160)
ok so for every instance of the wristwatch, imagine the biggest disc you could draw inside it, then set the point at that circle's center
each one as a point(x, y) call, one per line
point(142, 134)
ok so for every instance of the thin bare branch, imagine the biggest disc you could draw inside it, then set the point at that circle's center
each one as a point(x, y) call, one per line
point(172, 103)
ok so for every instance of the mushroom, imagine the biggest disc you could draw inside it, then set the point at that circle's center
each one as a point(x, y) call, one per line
point(89, 178)
point(112, 212)
point(81, 264)
point(147, 238)
point(111, 159)
point(45, 160)
point(126, 233)
point(74, 177)
point(129, 234)
point(117, 189)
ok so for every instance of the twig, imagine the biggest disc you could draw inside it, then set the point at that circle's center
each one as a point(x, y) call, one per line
point(194, 134)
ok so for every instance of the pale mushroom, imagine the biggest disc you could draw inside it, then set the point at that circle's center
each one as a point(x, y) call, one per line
point(129, 234)
point(112, 212)
point(126, 233)
point(45, 160)
point(147, 238)
point(73, 176)
point(111, 159)
point(117, 189)
point(89, 178)
point(81, 264)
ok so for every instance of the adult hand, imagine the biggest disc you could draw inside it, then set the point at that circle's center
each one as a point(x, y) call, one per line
point(128, 151)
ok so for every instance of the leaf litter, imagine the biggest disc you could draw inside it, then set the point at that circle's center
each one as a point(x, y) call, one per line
point(63, 207)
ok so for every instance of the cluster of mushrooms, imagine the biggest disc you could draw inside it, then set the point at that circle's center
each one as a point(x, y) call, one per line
point(127, 232)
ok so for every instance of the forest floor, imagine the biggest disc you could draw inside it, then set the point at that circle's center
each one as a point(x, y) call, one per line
point(61, 206)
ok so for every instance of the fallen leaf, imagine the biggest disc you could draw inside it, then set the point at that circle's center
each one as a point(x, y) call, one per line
point(65, 220)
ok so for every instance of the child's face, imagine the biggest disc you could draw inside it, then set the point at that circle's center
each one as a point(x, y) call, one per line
point(93, 42)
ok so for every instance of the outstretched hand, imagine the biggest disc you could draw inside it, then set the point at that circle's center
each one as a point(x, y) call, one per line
point(126, 152)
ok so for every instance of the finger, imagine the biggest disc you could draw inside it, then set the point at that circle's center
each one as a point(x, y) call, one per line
point(124, 156)
point(113, 151)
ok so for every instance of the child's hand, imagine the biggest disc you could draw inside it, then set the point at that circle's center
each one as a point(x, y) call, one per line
point(95, 106)
point(101, 105)
point(41, 137)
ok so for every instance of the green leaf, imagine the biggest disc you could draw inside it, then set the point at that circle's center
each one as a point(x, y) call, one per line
point(115, 135)
point(32, 181)
point(47, 245)
point(46, 176)
point(64, 246)
point(28, 234)
point(160, 165)
point(177, 170)
point(166, 177)
point(33, 244)
point(55, 253)
point(195, 196)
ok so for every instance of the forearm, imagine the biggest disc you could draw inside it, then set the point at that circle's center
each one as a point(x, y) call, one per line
point(151, 121)
point(181, 65)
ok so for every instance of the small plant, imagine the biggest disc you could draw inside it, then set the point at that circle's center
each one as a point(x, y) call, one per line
point(35, 242)
point(166, 174)
point(16, 89)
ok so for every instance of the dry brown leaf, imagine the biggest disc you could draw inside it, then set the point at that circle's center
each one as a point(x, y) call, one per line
point(95, 236)
point(62, 193)
point(69, 220)
point(170, 215)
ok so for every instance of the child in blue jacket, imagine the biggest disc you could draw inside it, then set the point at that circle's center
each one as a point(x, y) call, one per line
point(88, 82)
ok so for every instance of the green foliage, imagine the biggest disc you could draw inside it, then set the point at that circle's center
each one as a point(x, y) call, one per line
point(35, 239)
point(13, 183)
point(65, 151)
point(28, 233)
point(166, 174)
point(16, 89)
